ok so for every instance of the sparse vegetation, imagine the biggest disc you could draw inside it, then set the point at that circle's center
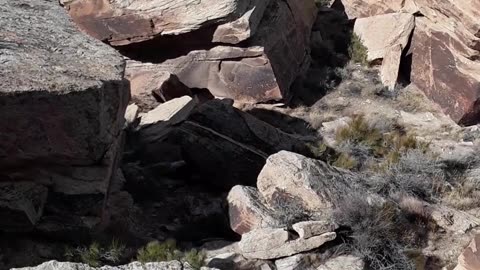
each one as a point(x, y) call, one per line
point(322, 3)
point(357, 51)
point(167, 251)
point(95, 255)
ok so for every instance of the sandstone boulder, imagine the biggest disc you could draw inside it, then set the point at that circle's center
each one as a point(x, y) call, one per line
point(247, 210)
point(276, 243)
point(62, 101)
point(299, 262)
point(389, 72)
point(307, 229)
point(444, 67)
point(380, 33)
point(470, 258)
point(123, 22)
point(315, 184)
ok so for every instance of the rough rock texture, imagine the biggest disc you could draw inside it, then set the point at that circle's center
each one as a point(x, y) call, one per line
point(62, 101)
point(276, 243)
point(217, 133)
point(390, 66)
point(470, 258)
point(261, 69)
point(343, 263)
point(148, 89)
point(54, 265)
point(380, 33)
point(122, 22)
point(446, 70)
point(453, 220)
point(247, 210)
point(315, 184)
point(307, 229)
point(299, 262)
point(444, 50)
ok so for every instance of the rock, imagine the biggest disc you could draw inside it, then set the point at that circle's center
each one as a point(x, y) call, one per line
point(368, 8)
point(69, 90)
point(54, 265)
point(150, 88)
point(276, 243)
point(382, 32)
point(470, 258)
point(314, 183)
point(156, 124)
point(247, 210)
point(228, 257)
point(21, 205)
point(131, 115)
point(390, 66)
point(299, 262)
point(262, 69)
point(217, 133)
point(123, 22)
point(443, 67)
point(62, 100)
point(307, 229)
point(347, 262)
point(453, 220)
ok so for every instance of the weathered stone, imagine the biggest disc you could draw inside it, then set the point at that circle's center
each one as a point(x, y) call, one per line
point(315, 184)
point(390, 66)
point(149, 88)
point(224, 255)
point(21, 205)
point(131, 115)
point(69, 91)
point(123, 22)
point(470, 258)
point(262, 69)
point(54, 265)
point(382, 32)
point(299, 262)
point(443, 67)
point(343, 263)
point(247, 210)
point(307, 229)
point(368, 8)
point(453, 220)
point(276, 243)
point(157, 123)
point(217, 133)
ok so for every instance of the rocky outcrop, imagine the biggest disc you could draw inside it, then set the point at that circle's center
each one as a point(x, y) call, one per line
point(307, 229)
point(276, 243)
point(214, 134)
point(444, 49)
point(246, 50)
point(171, 265)
point(62, 97)
point(470, 258)
point(313, 183)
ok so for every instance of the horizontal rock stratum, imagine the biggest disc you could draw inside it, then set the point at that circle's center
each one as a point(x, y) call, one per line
point(250, 51)
point(62, 101)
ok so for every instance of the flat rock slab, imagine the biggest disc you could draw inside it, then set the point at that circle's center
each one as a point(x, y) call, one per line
point(62, 93)
point(470, 258)
point(277, 243)
point(54, 265)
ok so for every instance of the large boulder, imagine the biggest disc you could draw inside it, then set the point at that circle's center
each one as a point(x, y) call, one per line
point(123, 22)
point(470, 258)
point(264, 48)
point(444, 67)
point(316, 185)
point(62, 101)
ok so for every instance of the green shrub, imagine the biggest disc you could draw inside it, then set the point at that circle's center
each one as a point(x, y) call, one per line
point(167, 251)
point(195, 258)
point(345, 161)
point(357, 51)
point(95, 255)
point(159, 252)
point(91, 255)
